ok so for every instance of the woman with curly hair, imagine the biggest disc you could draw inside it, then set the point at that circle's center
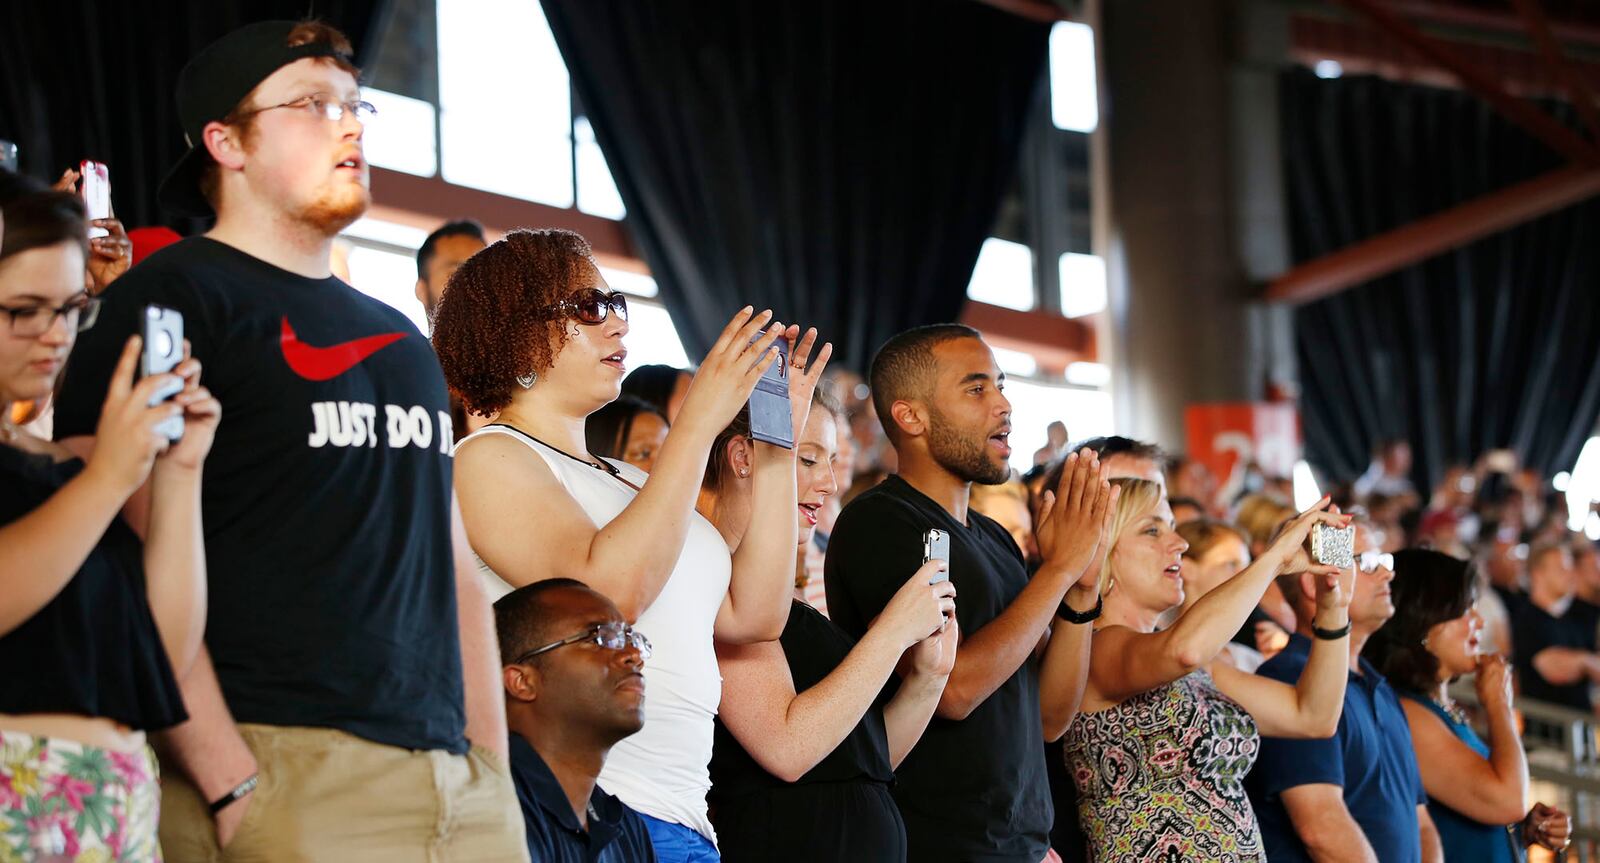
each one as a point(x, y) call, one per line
point(529, 329)
point(1477, 791)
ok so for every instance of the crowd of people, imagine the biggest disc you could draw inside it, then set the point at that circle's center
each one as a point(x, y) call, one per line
point(487, 595)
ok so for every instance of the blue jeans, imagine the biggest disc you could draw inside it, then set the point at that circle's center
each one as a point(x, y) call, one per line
point(676, 843)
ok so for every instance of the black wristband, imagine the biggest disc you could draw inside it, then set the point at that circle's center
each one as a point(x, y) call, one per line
point(1331, 634)
point(238, 792)
point(1066, 613)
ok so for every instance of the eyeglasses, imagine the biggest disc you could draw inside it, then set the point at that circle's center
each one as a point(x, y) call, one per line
point(324, 106)
point(611, 636)
point(592, 306)
point(1371, 560)
point(31, 322)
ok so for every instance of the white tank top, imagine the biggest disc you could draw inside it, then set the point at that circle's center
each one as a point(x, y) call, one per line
point(662, 770)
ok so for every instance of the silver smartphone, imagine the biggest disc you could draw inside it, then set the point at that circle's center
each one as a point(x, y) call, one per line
point(161, 329)
point(936, 546)
point(1333, 546)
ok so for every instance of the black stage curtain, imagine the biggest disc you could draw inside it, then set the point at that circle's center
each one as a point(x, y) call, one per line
point(840, 162)
point(1495, 344)
point(82, 79)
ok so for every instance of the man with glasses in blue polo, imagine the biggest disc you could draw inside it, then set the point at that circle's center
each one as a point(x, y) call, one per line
point(573, 674)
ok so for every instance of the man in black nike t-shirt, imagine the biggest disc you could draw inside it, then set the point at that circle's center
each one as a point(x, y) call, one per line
point(351, 641)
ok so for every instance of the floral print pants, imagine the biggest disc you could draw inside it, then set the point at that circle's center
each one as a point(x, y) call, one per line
point(69, 802)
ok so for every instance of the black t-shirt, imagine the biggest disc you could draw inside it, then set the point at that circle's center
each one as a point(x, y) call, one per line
point(93, 649)
point(1533, 630)
point(326, 497)
point(974, 789)
point(841, 808)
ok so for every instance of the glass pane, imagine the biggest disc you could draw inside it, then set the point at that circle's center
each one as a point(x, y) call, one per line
point(505, 104)
point(597, 191)
point(401, 136)
point(1003, 275)
point(652, 338)
point(1087, 413)
point(392, 233)
point(628, 282)
point(1074, 104)
point(1083, 284)
point(390, 277)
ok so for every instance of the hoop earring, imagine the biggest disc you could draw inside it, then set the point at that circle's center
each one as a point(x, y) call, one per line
point(527, 381)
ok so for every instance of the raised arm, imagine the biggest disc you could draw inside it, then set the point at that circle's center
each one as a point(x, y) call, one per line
point(1491, 790)
point(1312, 706)
point(485, 699)
point(789, 733)
point(1125, 663)
point(41, 551)
point(988, 657)
point(757, 604)
point(1080, 522)
point(527, 528)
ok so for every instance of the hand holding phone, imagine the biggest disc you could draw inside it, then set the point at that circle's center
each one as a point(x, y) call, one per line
point(771, 415)
point(94, 185)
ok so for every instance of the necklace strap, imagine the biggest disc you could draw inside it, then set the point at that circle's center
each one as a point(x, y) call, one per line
point(603, 466)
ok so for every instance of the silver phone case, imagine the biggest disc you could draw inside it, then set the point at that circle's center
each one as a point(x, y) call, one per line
point(1334, 546)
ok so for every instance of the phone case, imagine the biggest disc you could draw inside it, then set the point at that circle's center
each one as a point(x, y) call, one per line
point(1333, 546)
point(161, 330)
point(771, 417)
point(94, 185)
point(936, 546)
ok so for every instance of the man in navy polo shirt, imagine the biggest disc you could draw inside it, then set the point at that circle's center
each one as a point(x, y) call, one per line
point(1356, 796)
point(573, 675)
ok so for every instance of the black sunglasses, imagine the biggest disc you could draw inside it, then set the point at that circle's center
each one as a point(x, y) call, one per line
point(592, 305)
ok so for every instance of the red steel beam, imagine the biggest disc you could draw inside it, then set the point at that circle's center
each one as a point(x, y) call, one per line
point(1054, 341)
point(1387, 252)
point(1525, 114)
point(1033, 10)
point(1577, 90)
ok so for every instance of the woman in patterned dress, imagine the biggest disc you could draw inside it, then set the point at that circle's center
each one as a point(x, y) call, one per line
point(1166, 734)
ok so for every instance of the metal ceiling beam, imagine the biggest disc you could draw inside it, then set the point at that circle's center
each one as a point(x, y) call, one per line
point(1519, 111)
point(1549, 51)
point(1410, 244)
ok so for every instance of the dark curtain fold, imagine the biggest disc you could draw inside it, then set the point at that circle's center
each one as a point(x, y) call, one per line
point(88, 80)
point(838, 161)
point(1495, 344)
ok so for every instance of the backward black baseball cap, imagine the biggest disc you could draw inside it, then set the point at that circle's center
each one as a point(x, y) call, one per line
point(212, 84)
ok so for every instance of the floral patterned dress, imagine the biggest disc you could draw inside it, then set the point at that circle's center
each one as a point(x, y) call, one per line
point(1161, 777)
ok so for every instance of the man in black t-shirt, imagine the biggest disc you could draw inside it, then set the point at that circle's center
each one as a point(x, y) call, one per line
point(974, 788)
point(351, 640)
point(1553, 642)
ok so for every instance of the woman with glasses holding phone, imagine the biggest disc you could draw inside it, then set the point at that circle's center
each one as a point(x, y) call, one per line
point(810, 732)
point(96, 623)
point(1477, 790)
point(529, 330)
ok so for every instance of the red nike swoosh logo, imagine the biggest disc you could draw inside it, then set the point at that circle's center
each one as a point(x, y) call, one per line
point(322, 364)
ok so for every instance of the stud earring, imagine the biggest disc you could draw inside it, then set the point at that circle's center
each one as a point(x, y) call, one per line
point(744, 472)
point(527, 381)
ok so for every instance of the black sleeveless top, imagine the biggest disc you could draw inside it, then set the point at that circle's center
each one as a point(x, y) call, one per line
point(841, 809)
point(93, 649)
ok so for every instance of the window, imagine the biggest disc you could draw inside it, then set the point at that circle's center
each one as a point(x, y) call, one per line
point(389, 275)
point(1035, 404)
point(1083, 284)
point(505, 101)
point(597, 191)
point(401, 136)
point(1074, 104)
point(1003, 275)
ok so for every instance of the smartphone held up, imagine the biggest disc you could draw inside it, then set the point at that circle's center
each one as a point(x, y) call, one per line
point(161, 330)
point(94, 185)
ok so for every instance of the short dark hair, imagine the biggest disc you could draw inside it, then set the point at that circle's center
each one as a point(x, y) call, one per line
point(1182, 500)
point(456, 228)
point(521, 620)
point(654, 384)
point(1429, 588)
point(1105, 448)
point(36, 219)
point(904, 368)
point(606, 430)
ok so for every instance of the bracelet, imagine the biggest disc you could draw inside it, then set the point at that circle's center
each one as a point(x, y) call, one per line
point(1066, 613)
point(238, 792)
point(1331, 634)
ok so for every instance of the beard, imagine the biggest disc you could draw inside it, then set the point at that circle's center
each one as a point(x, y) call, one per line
point(964, 454)
point(335, 209)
